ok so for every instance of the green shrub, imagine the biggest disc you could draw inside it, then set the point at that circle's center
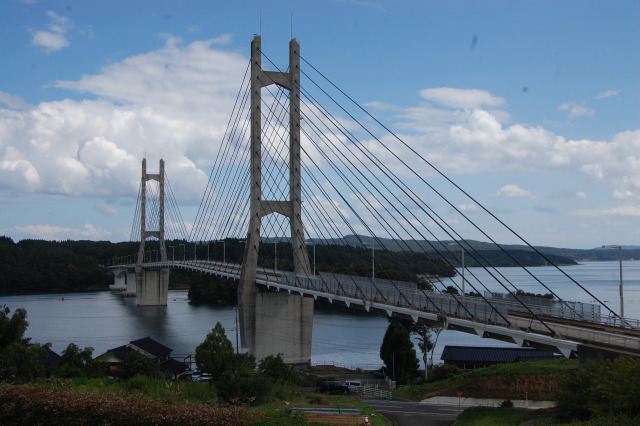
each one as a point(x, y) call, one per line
point(138, 383)
point(244, 387)
point(445, 371)
point(601, 388)
point(507, 403)
point(274, 369)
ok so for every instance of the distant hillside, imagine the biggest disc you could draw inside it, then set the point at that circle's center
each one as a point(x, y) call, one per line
point(559, 256)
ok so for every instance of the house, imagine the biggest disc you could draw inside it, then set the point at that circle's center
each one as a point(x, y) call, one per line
point(470, 358)
point(149, 348)
point(50, 358)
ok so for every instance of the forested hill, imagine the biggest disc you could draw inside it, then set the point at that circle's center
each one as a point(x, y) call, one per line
point(32, 266)
point(559, 256)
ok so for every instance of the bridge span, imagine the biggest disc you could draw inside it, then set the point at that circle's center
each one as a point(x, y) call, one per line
point(563, 331)
point(356, 177)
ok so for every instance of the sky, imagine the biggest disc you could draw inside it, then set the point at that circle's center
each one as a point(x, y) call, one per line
point(533, 107)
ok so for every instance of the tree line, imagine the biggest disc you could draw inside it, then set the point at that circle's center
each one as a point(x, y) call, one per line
point(31, 266)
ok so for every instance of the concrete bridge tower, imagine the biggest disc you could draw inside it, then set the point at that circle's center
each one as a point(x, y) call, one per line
point(152, 285)
point(272, 322)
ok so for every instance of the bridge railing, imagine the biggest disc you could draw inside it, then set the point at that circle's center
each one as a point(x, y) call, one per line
point(552, 307)
point(405, 295)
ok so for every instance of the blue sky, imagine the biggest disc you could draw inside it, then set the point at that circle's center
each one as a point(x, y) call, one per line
point(531, 106)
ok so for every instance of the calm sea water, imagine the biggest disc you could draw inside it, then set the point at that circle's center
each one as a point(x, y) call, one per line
point(104, 320)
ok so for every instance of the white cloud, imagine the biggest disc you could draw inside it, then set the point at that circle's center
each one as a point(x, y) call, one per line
point(171, 103)
point(467, 208)
point(105, 209)
point(513, 190)
point(462, 98)
point(576, 110)
point(55, 37)
point(608, 94)
point(628, 210)
point(12, 101)
point(477, 141)
point(174, 103)
point(622, 194)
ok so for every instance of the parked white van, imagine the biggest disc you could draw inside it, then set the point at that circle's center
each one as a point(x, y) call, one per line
point(353, 384)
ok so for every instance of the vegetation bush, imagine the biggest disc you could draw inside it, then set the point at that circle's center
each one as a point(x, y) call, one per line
point(244, 387)
point(137, 364)
point(494, 416)
point(445, 371)
point(507, 403)
point(76, 362)
point(610, 420)
point(601, 388)
point(37, 405)
point(274, 368)
point(20, 361)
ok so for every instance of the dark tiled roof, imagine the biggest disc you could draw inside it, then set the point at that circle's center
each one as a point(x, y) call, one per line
point(121, 351)
point(155, 348)
point(51, 358)
point(174, 366)
point(496, 355)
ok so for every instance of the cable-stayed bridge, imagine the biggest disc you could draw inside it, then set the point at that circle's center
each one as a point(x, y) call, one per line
point(303, 165)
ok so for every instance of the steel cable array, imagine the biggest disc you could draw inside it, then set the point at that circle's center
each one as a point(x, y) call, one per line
point(362, 184)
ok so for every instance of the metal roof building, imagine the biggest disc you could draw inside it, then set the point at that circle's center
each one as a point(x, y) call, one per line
point(470, 357)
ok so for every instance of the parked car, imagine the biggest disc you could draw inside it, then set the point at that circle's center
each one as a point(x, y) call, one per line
point(333, 386)
point(353, 385)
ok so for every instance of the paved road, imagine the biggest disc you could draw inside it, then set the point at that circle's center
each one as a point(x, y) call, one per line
point(405, 413)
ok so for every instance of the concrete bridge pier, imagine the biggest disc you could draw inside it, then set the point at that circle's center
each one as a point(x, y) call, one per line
point(131, 281)
point(283, 324)
point(119, 279)
point(124, 279)
point(152, 287)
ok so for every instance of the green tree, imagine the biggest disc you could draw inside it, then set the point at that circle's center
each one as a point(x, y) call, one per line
point(452, 290)
point(274, 368)
point(398, 354)
point(138, 364)
point(215, 355)
point(19, 361)
point(76, 362)
point(422, 331)
point(12, 328)
point(616, 389)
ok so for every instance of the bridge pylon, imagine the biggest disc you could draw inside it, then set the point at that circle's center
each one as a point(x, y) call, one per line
point(272, 322)
point(152, 285)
